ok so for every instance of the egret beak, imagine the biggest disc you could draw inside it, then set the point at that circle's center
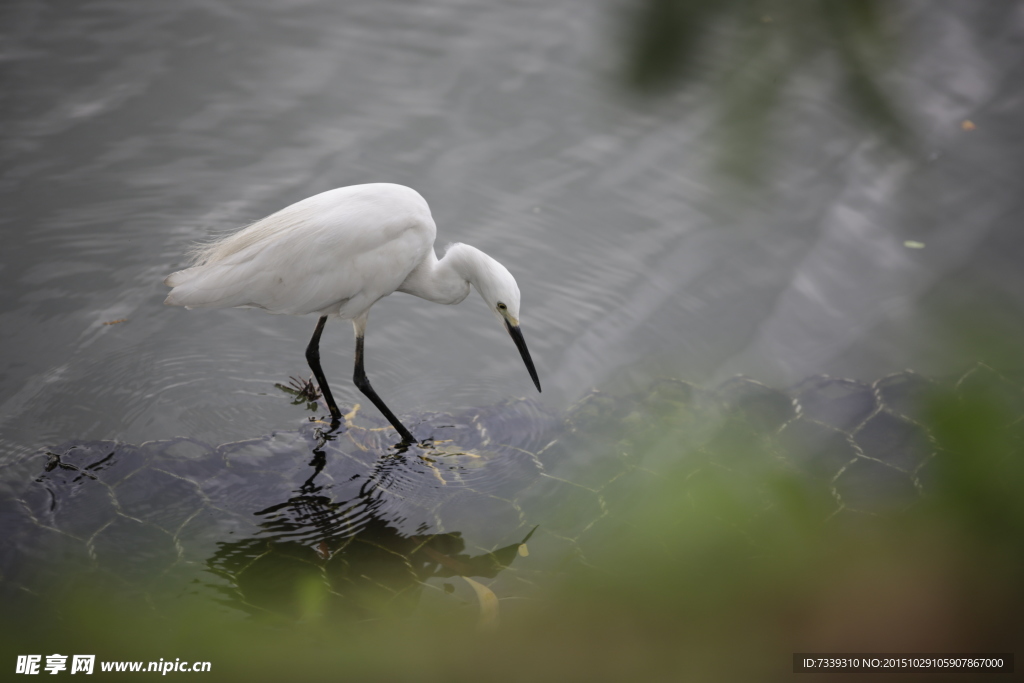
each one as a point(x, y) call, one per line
point(517, 337)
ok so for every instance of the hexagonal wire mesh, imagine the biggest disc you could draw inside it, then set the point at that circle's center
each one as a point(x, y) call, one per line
point(255, 524)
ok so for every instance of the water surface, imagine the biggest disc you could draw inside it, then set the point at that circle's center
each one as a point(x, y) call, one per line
point(132, 130)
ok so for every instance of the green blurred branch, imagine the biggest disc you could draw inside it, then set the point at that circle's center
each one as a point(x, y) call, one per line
point(751, 50)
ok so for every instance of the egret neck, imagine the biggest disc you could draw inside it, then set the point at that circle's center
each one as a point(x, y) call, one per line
point(447, 280)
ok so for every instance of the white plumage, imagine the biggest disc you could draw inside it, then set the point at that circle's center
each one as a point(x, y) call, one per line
point(336, 254)
point(342, 249)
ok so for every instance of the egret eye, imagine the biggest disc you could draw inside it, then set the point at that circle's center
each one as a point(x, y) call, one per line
point(501, 306)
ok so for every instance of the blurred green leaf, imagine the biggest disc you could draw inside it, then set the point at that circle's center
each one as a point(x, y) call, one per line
point(751, 51)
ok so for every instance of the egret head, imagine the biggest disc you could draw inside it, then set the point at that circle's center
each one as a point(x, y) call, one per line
point(501, 293)
point(499, 289)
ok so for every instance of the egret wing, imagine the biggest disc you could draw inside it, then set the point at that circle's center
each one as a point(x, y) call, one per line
point(347, 247)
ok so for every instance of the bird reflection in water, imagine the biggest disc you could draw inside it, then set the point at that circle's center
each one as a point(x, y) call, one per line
point(292, 522)
point(315, 555)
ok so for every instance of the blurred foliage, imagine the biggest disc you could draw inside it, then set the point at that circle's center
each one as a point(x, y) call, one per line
point(724, 559)
point(752, 50)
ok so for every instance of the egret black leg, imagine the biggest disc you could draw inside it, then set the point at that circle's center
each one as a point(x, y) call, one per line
point(313, 358)
point(361, 381)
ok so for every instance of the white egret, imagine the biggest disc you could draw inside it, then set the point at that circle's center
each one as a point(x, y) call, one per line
point(336, 254)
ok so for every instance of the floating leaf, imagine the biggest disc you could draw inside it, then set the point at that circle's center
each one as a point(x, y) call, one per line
point(488, 605)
